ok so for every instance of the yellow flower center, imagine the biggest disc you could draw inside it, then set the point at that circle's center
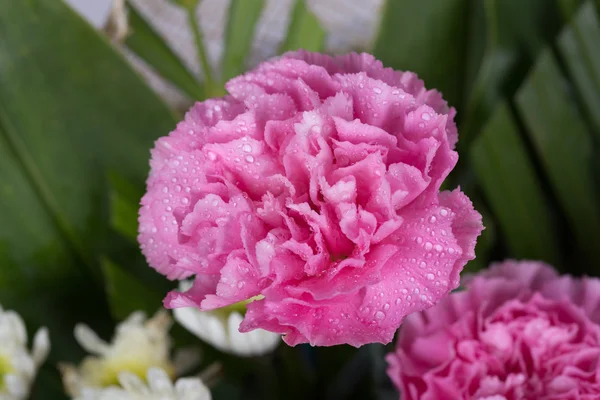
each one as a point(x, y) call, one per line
point(5, 368)
point(111, 370)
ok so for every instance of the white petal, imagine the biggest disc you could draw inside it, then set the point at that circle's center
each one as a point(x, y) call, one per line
point(240, 342)
point(132, 383)
point(88, 339)
point(16, 386)
point(191, 389)
point(41, 346)
point(23, 364)
point(256, 342)
point(15, 327)
point(185, 285)
point(217, 332)
point(159, 381)
point(203, 324)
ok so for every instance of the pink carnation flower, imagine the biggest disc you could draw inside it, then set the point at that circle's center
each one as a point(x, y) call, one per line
point(518, 332)
point(315, 186)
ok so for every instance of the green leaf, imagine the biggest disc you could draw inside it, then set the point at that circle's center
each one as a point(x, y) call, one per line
point(305, 30)
point(124, 205)
point(515, 32)
point(71, 108)
point(126, 294)
point(579, 47)
point(485, 242)
point(243, 16)
point(151, 47)
point(568, 8)
point(427, 37)
point(564, 146)
point(509, 182)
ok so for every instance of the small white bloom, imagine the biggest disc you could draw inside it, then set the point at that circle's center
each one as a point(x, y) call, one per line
point(137, 346)
point(220, 328)
point(18, 366)
point(159, 387)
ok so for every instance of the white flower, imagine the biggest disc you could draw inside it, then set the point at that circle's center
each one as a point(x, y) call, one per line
point(18, 366)
point(138, 345)
point(159, 387)
point(220, 328)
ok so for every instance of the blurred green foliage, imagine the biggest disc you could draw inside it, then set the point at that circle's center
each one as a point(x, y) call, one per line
point(523, 75)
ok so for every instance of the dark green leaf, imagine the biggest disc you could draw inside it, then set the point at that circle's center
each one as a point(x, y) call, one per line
point(151, 47)
point(485, 242)
point(579, 46)
point(124, 205)
point(427, 37)
point(512, 188)
point(70, 109)
point(126, 294)
point(515, 31)
point(305, 30)
point(568, 8)
point(564, 146)
point(243, 16)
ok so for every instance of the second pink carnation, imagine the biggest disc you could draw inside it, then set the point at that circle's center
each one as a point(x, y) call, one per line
point(315, 186)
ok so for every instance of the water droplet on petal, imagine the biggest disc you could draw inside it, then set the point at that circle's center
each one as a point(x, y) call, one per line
point(247, 148)
point(430, 277)
point(380, 315)
point(428, 246)
point(249, 159)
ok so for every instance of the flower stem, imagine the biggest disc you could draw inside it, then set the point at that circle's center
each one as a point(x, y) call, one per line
point(205, 65)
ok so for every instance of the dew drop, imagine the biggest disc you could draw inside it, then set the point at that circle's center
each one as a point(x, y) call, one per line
point(249, 159)
point(422, 264)
point(386, 306)
point(438, 248)
point(185, 200)
point(428, 246)
point(247, 148)
point(432, 219)
point(430, 277)
point(425, 116)
point(443, 212)
point(380, 315)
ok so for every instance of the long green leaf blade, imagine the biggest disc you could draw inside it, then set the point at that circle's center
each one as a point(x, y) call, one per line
point(126, 294)
point(124, 205)
point(71, 108)
point(509, 182)
point(151, 47)
point(579, 46)
point(243, 16)
point(304, 31)
point(427, 38)
point(564, 146)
